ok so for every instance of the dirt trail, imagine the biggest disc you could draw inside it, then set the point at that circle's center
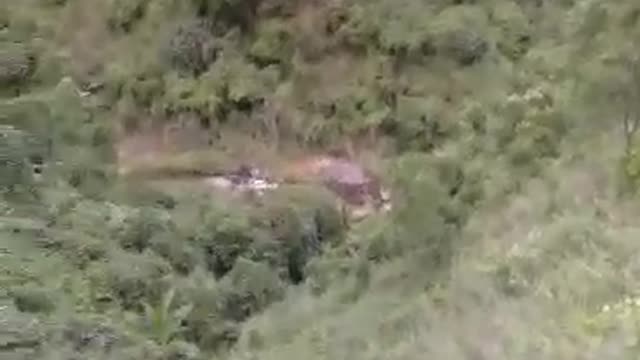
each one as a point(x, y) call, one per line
point(163, 154)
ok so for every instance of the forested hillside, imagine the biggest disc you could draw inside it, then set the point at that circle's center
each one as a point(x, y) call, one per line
point(504, 129)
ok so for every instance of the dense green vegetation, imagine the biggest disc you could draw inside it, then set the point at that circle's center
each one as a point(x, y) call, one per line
point(507, 128)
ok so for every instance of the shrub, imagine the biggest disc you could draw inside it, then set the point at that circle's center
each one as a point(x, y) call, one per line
point(29, 114)
point(360, 109)
point(190, 47)
point(87, 335)
point(227, 14)
point(422, 222)
point(132, 279)
point(224, 237)
point(181, 255)
point(515, 35)
point(79, 248)
point(205, 325)
point(302, 221)
point(180, 350)
point(142, 196)
point(458, 34)
point(162, 321)
point(202, 96)
point(419, 123)
point(535, 129)
point(230, 90)
point(139, 227)
point(125, 13)
point(86, 176)
point(145, 87)
point(21, 334)
point(402, 31)
point(55, 2)
point(248, 288)
point(297, 234)
point(272, 8)
point(32, 299)
point(17, 64)
point(4, 16)
point(15, 171)
point(272, 44)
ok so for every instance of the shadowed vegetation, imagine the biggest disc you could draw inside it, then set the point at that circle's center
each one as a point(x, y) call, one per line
point(506, 129)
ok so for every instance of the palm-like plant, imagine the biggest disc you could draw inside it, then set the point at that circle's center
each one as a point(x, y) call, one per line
point(161, 321)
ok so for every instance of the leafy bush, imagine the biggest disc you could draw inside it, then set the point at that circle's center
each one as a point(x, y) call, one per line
point(426, 231)
point(21, 336)
point(125, 13)
point(190, 47)
point(248, 288)
point(272, 44)
point(139, 227)
point(223, 238)
point(15, 170)
point(182, 256)
point(162, 321)
point(419, 123)
point(87, 335)
point(536, 128)
point(515, 38)
point(180, 350)
point(133, 279)
point(227, 14)
point(80, 248)
point(17, 64)
point(4, 17)
point(144, 88)
point(302, 222)
point(205, 324)
point(230, 90)
point(33, 299)
point(458, 33)
point(201, 96)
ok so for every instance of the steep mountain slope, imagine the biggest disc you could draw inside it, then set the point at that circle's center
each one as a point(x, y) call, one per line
point(505, 127)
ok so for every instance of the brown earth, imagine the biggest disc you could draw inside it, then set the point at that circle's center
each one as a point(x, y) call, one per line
point(184, 152)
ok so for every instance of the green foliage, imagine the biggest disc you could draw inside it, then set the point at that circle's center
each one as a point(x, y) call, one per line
point(515, 38)
point(227, 14)
point(458, 34)
point(22, 334)
point(505, 239)
point(139, 227)
point(144, 89)
point(132, 279)
point(88, 335)
point(191, 47)
point(162, 321)
point(206, 325)
point(4, 17)
point(15, 170)
point(419, 124)
point(273, 44)
point(423, 223)
point(223, 237)
point(17, 64)
point(302, 222)
point(187, 95)
point(182, 256)
point(248, 288)
point(399, 28)
point(537, 127)
point(32, 299)
point(124, 14)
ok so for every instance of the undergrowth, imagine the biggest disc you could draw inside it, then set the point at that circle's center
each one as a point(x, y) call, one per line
point(506, 129)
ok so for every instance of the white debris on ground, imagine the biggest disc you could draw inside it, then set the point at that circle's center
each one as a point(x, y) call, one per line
point(245, 179)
